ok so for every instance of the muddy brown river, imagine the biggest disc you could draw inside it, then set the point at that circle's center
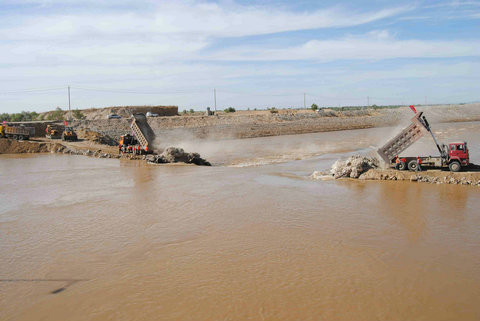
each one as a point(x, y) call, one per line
point(253, 238)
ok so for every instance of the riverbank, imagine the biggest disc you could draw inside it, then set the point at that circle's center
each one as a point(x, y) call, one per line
point(468, 177)
point(251, 124)
point(369, 168)
point(44, 145)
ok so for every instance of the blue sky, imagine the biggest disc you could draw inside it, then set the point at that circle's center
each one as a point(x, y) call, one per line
point(256, 54)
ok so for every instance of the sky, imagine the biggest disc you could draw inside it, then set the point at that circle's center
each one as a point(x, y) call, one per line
point(255, 54)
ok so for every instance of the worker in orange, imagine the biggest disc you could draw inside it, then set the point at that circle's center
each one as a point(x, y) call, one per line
point(397, 162)
point(419, 162)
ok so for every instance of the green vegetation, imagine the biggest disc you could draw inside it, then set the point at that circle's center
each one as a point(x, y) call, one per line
point(314, 107)
point(23, 116)
point(229, 110)
point(77, 114)
point(191, 111)
point(273, 110)
point(56, 115)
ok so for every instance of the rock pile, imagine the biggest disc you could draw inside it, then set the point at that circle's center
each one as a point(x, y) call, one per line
point(177, 155)
point(353, 167)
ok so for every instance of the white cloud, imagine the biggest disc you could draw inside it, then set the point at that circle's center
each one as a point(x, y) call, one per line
point(170, 30)
point(150, 45)
point(203, 19)
point(374, 46)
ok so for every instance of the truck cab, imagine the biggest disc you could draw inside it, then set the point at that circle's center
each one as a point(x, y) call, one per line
point(458, 151)
point(127, 144)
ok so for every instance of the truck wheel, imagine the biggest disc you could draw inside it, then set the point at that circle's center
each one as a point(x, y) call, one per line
point(401, 166)
point(455, 166)
point(20, 137)
point(412, 165)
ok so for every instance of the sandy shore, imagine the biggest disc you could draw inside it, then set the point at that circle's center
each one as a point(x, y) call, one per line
point(469, 177)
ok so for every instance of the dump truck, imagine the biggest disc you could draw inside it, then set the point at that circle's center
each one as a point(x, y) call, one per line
point(454, 156)
point(18, 132)
point(141, 140)
point(128, 144)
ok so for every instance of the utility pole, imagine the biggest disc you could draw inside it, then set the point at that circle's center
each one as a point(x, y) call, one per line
point(304, 100)
point(368, 101)
point(215, 98)
point(69, 108)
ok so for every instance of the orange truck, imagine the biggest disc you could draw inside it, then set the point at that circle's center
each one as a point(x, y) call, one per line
point(18, 132)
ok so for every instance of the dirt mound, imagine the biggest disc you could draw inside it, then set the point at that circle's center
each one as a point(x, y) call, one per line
point(95, 137)
point(10, 146)
point(353, 167)
point(177, 155)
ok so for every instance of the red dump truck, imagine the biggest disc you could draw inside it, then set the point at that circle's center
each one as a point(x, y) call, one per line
point(454, 156)
point(141, 140)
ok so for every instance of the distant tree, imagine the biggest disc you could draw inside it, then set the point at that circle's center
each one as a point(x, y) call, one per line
point(184, 112)
point(314, 107)
point(77, 114)
point(230, 110)
point(4, 117)
point(34, 115)
point(56, 115)
point(273, 110)
point(192, 111)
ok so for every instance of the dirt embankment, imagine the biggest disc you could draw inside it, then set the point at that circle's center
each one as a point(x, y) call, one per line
point(123, 111)
point(367, 168)
point(430, 176)
point(91, 145)
point(10, 146)
point(249, 124)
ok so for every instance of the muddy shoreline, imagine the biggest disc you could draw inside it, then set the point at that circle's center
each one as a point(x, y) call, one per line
point(469, 177)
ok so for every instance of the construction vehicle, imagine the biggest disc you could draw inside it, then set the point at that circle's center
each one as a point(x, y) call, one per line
point(20, 132)
point(141, 140)
point(52, 132)
point(69, 134)
point(455, 155)
point(128, 144)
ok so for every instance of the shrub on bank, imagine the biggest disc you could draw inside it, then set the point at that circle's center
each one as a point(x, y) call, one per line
point(56, 115)
point(77, 114)
point(23, 116)
point(229, 110)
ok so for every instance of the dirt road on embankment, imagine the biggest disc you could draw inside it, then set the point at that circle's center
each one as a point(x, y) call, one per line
point(469, 177)
point(44, 145)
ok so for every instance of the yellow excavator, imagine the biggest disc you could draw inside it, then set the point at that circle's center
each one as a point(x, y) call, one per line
point(52, 132)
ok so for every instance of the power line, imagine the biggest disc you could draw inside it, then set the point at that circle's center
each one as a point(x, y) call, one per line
point(31, 90)
point(123, 91)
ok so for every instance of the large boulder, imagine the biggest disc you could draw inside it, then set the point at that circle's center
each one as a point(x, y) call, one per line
point(353, 166)
point(177, 155)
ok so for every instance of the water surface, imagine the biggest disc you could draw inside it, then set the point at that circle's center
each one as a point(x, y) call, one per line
point(253, 239)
